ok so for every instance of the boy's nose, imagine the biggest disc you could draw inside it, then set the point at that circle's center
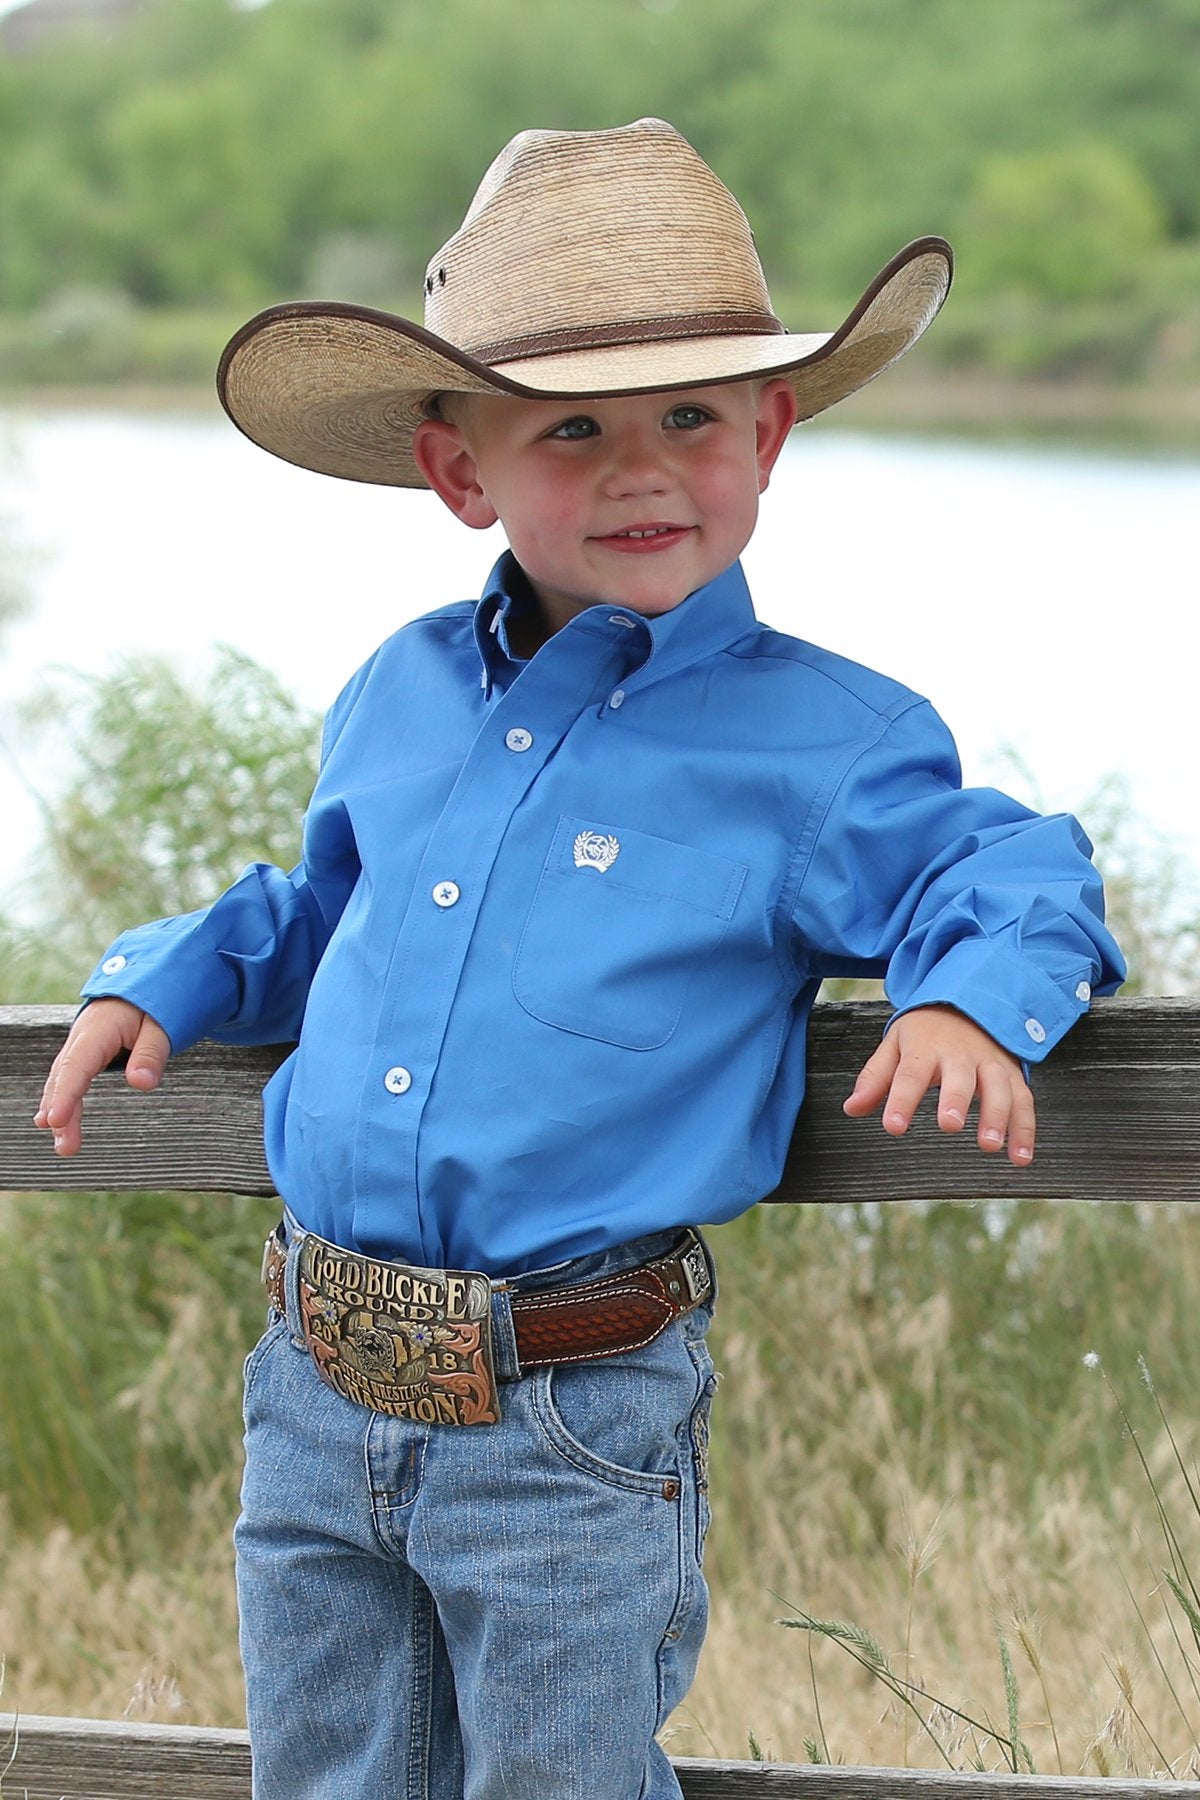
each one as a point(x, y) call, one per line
point(638, 466)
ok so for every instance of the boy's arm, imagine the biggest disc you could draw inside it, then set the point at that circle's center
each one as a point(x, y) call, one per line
point(97, 1037)
point(985, 920)
point(239, 970)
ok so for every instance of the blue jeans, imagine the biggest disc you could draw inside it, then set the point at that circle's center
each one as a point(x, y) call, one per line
point(505, 1612)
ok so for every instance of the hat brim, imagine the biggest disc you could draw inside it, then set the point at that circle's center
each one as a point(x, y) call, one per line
point(340, 389)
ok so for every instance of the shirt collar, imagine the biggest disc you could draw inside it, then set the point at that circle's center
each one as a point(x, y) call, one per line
point(708, 621)
point(505, 596)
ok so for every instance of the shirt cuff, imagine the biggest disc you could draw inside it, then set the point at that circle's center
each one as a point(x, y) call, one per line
point(132, 969)
point(1021, 1005)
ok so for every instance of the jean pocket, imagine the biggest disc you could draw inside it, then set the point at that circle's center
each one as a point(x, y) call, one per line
point(618, 930)
point(621, 1419)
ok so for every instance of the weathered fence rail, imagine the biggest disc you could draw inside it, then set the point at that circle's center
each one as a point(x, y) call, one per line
point(86, 1759)
point(1119, 1112)
point(1118, 1108)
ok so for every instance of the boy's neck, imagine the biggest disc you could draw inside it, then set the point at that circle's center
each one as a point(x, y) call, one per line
point(526, 634)
point(535, 617)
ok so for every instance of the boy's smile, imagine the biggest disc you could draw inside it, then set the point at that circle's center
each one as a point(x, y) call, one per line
point(633, 501)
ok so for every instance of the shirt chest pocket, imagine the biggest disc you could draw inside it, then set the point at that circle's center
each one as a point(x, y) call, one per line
point(620, 928)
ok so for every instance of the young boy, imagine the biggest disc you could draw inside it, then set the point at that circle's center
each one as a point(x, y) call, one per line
point(577, 860)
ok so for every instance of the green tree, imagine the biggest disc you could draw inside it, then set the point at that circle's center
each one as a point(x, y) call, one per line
point(208, 153)
point(1071, 223)
point(200, 219)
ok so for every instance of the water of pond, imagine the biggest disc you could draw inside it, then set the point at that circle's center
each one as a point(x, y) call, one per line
point(1045, 599)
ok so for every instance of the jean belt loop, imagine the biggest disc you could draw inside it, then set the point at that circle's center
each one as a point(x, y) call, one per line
point(291, 1284)
point(504, 1338)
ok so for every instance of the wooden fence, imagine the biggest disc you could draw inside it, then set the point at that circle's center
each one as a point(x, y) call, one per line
point(1119, 1119)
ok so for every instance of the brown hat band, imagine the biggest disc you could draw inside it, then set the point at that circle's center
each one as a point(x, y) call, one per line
point(630, 331)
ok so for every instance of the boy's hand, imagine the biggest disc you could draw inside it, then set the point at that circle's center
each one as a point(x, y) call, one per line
point(99, 1034)
point(936, 1044)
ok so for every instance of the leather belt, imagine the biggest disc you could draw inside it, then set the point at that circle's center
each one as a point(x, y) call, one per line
point(416, 1343)
point(614, 1313)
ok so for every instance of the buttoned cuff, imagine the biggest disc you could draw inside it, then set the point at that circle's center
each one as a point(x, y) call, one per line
point(131, 969)
point(1015, 1001)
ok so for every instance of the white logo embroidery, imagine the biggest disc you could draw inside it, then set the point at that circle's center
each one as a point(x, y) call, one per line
point(595, 850)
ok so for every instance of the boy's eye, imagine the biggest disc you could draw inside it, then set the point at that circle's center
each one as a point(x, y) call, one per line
point(574, 429)
point(687, 417)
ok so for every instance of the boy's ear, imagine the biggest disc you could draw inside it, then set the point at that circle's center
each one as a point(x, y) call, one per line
point(442, 454)
point(774, 418)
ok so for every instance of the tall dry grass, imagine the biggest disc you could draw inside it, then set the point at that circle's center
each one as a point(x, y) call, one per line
point(912, 1443)
point(126, 1321)
point(906, 1439)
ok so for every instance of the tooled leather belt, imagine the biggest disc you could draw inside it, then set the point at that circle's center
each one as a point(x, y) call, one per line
point(416, 1343)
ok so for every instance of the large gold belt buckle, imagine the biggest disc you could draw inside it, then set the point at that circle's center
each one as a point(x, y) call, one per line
point(414, 1343)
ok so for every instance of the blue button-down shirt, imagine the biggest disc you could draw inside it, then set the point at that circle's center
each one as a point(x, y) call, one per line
point(552, 947)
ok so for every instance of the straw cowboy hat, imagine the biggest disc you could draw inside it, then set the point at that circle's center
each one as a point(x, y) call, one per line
point(590, 264)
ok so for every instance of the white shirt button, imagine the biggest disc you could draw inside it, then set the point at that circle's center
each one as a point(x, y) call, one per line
point(1084, 991)
point(1036, 1030)
point(397, 1081)
point(617, 697)
point(518, 738)
point(445, 893)
point(112, 965)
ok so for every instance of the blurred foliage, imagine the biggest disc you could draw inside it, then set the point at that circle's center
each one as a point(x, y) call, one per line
point(135, 1310)
point(14, 595)
point(167, 792)
point(205, 155)
point(1073, 223)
